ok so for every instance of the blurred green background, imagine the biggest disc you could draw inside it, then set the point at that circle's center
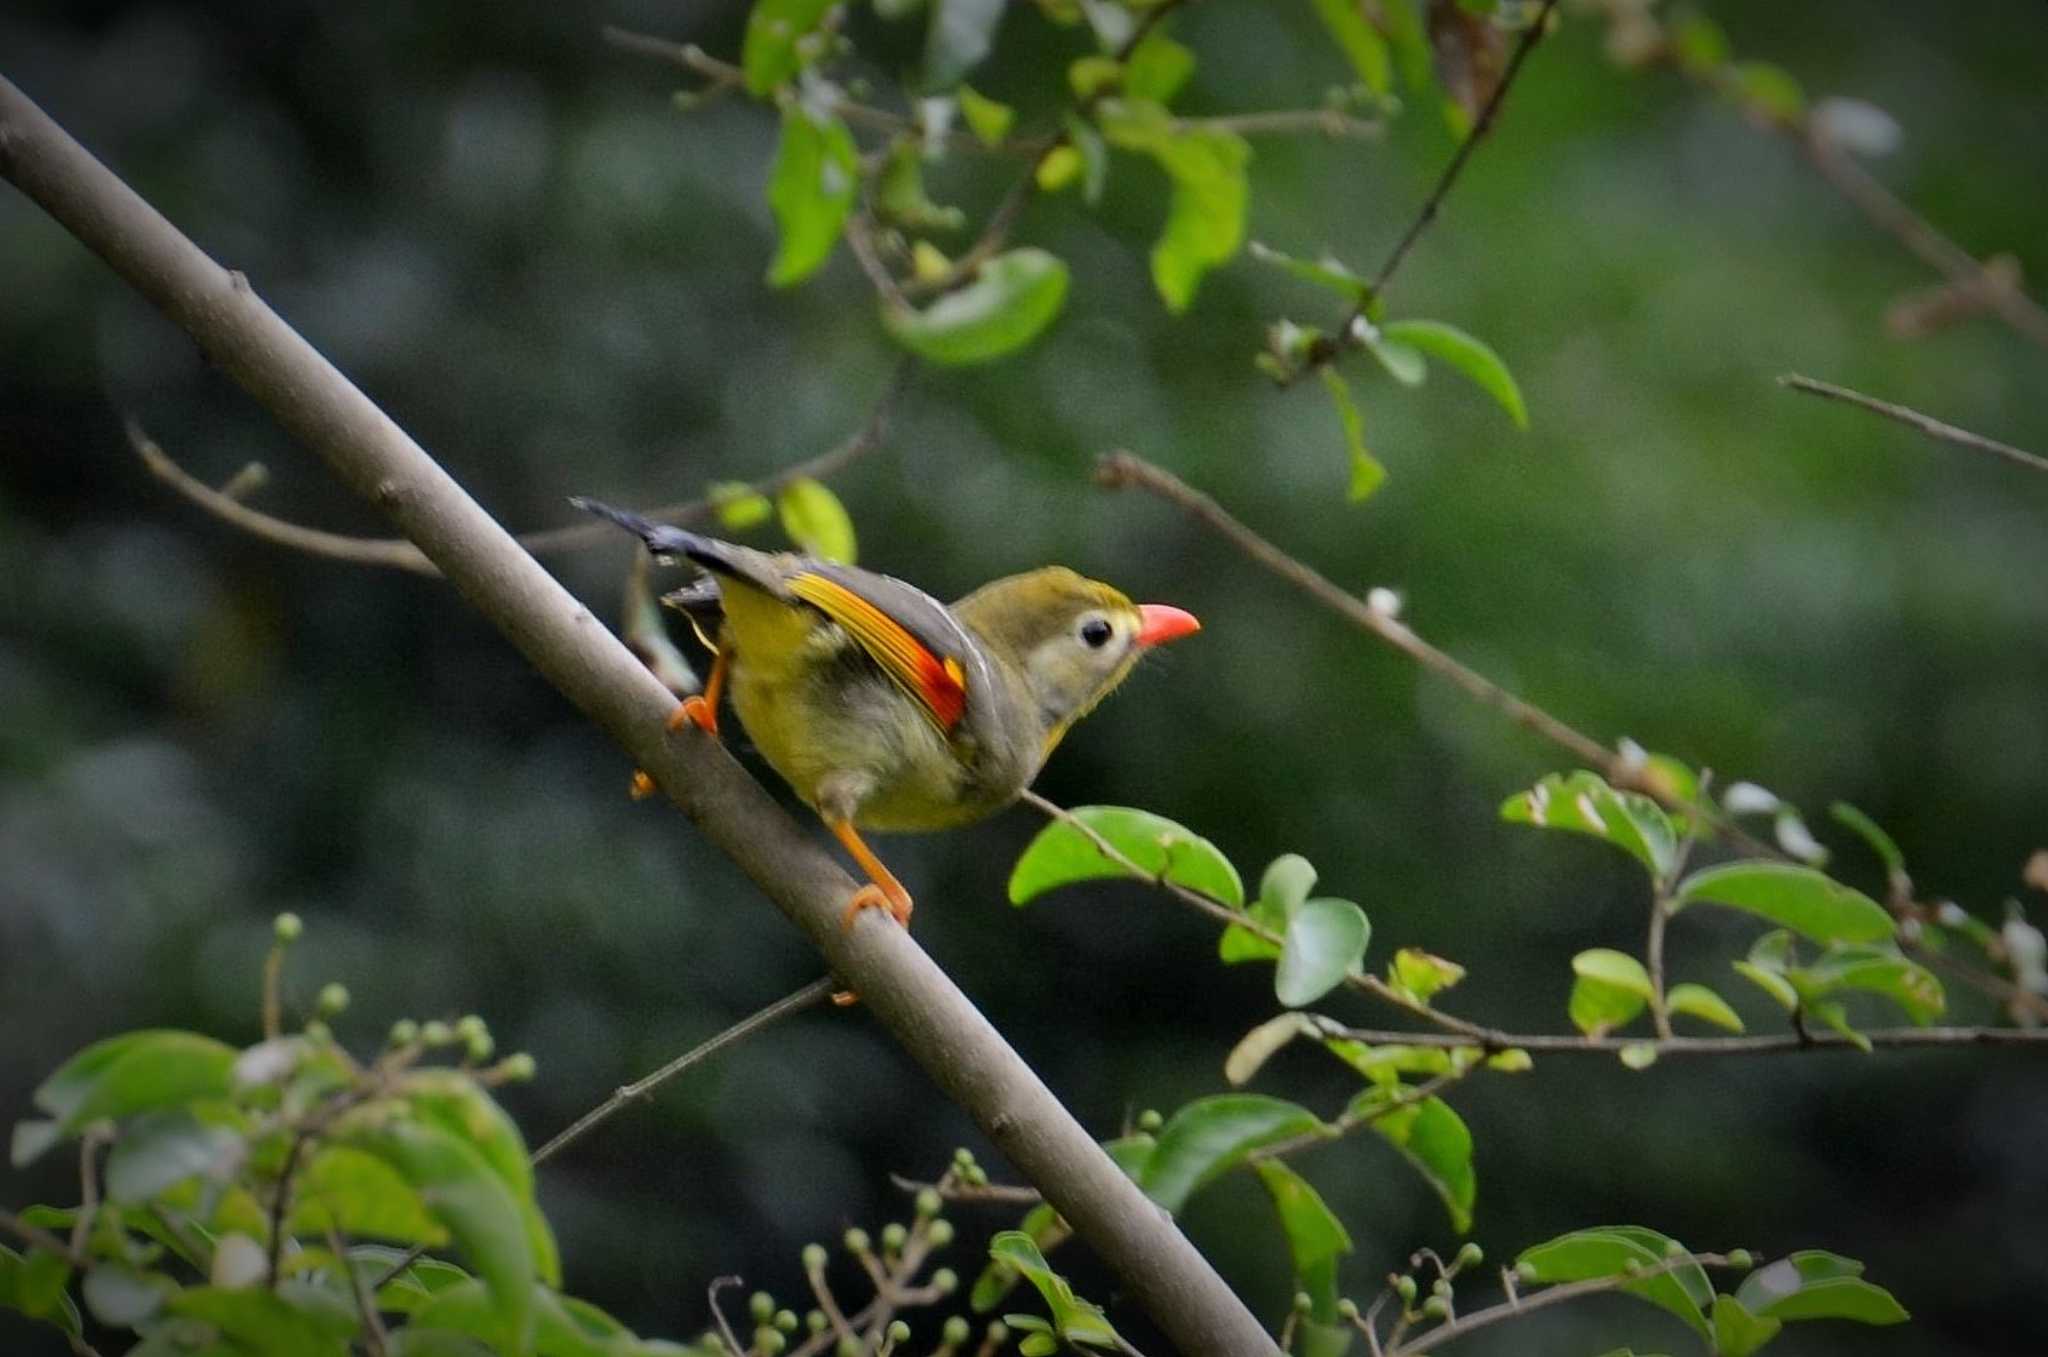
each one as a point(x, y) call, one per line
point(507, 236)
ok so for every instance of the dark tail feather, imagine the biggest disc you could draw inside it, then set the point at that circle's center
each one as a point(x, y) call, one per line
point(661, 539)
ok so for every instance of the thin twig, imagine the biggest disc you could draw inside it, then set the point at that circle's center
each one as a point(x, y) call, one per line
point(1559, 1043)
point(40, 1238)
point(397, 553)
point(374, 1337)
point(1531, 35)
point(89, 1146)
point(1926, 424)
point(794, 1002)
point(719, 1284)
point(1455, 1329)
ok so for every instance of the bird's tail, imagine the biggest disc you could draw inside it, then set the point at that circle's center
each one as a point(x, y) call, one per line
point(723, 558)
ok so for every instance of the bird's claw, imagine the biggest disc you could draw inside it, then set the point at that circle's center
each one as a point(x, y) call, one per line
point(694, 710)
point(873, 896)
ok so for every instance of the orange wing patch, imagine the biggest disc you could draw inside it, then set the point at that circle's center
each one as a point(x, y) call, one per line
point(939, 683)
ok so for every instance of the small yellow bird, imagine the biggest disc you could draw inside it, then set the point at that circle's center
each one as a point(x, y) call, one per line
point(886, 709)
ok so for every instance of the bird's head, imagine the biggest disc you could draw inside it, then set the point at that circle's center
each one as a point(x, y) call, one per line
point(1066, 640)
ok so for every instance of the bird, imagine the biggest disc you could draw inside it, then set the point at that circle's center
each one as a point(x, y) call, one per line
point(883, 708)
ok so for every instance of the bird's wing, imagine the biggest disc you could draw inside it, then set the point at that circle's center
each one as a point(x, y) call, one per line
point(909, 633)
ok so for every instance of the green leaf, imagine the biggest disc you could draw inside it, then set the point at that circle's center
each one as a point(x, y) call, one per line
point(1011, 301)
point(1084, 139)
point(1360, 42)
point(1799, 898)
point(1611, 988)
point(1258, 1046)
point(1157, 68)
point(811, 189)
point(1325, 941)
point(1583, 803)
point(161, 1149)
point(1410, 43)
point(739, 506)
point(1212, 1135)
point(118, 1077)
point(1316, 1239)
point(1062, 855)
point(121, 1297)
point(1205, 214)
point(1770, 982)
point(1239, 943)
point(1044, 1228)
point(1615, 1250)
point(461, 1190)
point(1385, 1065)
point(1700, 1002)
point(358, 1193)
point(1328, 272)
point(1868, 830)
point(901, 195)
point(1403, 362)
point(961, 33)
point(1434, 1138)
point(1286, 882)
point(1814, 1284)
point(1076, 1320)
point(562, 1326)
point(1366, 470)
point(1468, 355)
point(987, 118)
point(1737, 1332)
point(298, 1318)
point(1874, 969)
point(816, 521)
point(1090, 76)
point(769, 54)
point(1422, 975)
point(34, 1285)
point(458, 1104)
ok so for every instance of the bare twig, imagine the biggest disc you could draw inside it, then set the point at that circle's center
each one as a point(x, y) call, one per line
point(1926, 424)
point(1780, 1044)
point(374, 1337)
point(794, 1002)
point(1531, 35)
point(725, 1332)
point(397, 553)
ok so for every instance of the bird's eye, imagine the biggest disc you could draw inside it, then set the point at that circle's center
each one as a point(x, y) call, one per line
point(1095, 633)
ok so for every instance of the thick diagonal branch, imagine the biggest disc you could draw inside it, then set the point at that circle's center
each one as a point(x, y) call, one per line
point(561, 638)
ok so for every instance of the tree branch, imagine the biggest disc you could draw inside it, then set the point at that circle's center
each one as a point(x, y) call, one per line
point(900, 985)
point(1926, 424)
point(398, 553)
point(1516, 1307)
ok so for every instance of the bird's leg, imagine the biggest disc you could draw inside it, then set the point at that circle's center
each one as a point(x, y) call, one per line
point(701, 709)
point(884, 891)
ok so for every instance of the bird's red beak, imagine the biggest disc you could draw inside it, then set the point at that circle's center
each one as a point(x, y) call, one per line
point(1160, 623)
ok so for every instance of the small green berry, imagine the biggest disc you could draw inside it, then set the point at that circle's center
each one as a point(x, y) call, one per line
point(1303, 1302)
point(1347, 1309)
point(1673, 1249)
point(939, 1233)
point(894, 1236)
point(976, 1175)
point(856, 1240)
point(437, 1033)
point(333, 998)
point(1404, 1287)
point(1149, 1120)
point(814, 1258)
point(899, 1332)
point(1526, 1272)
point(769, 1342)
point(1741, 1258)
point(1436, 1307)
point(761, 1306)
point(945, 1281)
point(850, 1346)
point(1471, 1255)
point(404, 1032)
point(317, 1030)
point(815, 1321)
point(785, 1320)
point(287, 927)
point(517, 1067)
point(956, 1331)
point(998, 1332)
point(1440, 1287)
point(963, 1156)
point(929, 1203)
point(479, 1047)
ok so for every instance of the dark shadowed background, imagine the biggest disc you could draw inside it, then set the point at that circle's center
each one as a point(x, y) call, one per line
point(505, 233)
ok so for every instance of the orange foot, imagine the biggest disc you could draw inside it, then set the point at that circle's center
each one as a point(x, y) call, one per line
point(642, 785)
point(694, 710)
point(872, 896)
